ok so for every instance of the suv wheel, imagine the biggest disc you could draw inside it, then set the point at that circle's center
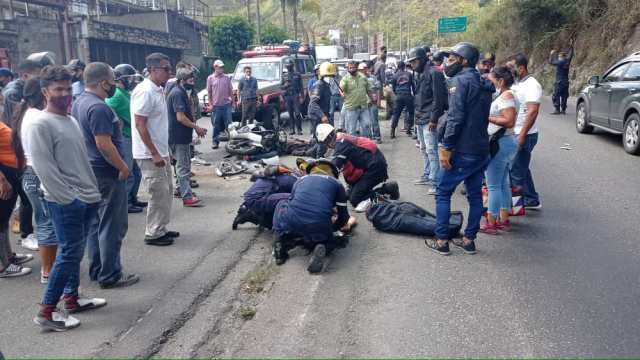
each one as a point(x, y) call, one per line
point(582, 122)
point(631, 134)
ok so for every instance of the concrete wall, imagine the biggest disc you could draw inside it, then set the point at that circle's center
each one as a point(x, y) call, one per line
point(36, 35)
point(148, 20)
point(134, 35)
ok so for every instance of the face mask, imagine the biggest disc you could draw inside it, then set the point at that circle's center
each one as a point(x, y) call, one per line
point(61, 102)
point(327, 80)
point(453, 69)
point(111, 91)
point(188, 86)
point(353, 72)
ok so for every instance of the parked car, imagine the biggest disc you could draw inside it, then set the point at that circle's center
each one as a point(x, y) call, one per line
point(267, 67)
point(612, 103)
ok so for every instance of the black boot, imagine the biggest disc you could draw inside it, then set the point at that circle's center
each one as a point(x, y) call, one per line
point(279, 251)
point(316, 263)
point(245, 215)
point(393, 132)
point(392, 189)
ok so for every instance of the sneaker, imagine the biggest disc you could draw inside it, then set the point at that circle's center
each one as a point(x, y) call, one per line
point(14, 270)
point(504, 225)
point(316, 263)
point(432, 244)
point(192, 202)
point(164, 240)
point(19, 259)
point(363, 206)
point(418, 145)
point(194, 184)
point(125, 280)
point(215, 145)
point(200, 162)
point(55, 320)
point(488, 228)
point(422, 182)
point(470, 248)
point(44, 277)
point(30, 242)
point(533, 206)
point(76, 304)
point(176, 193)
point(431, 191)
point(134, 209)
point(142, 204)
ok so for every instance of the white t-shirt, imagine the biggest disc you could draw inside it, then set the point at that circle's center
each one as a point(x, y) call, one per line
point(497, 106)
point(148, 100)
point(30, 115)
point(527, 91)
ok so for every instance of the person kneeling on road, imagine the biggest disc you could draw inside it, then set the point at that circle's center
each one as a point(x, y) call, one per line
point(362, 164)
point(309, 213)
point(270, 186)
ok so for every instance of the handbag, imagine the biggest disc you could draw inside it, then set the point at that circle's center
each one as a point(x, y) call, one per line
point(494, 146)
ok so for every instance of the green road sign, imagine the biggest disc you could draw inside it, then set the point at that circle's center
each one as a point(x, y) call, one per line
point(452, 24)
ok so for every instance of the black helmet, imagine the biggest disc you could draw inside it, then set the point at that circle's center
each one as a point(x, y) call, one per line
point(416, 53)
point(467, 51)
point(125, 73)
point(288, 62)
point(76, 64)
point(439, 56)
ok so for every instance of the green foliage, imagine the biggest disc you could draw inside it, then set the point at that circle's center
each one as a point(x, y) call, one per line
point(229, 35)
point(272, 34)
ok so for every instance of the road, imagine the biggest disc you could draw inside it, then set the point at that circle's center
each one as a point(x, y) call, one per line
point(564, 283)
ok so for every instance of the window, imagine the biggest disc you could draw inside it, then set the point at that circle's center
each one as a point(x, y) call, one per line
point(310, 64)
point(633, 72)
point(615, 74)
point(265, 71)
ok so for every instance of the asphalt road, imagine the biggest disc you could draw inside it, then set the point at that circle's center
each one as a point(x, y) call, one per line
point(564, 283)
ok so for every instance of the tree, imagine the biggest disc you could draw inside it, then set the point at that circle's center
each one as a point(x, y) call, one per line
point(272, 34)
point(228, 35)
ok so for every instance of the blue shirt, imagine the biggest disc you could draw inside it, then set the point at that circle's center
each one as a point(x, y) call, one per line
point(95, 117)
point(178, 101)
point(77, 88)
point(314, 196)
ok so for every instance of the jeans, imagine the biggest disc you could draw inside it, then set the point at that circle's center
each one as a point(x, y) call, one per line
point(71, 222)
point(497, 175)
point(358, 119)
point(335, 103)
point(159, 184)
point(468, 168)
point(422, 132)
point(135, 176)
point(45, 232)
point(220, 119)
point(249, 109)
point(107, 232)
point(293, 108)
point(182, 154)
point(520, 172)
point(403, 102)
point(375, 125)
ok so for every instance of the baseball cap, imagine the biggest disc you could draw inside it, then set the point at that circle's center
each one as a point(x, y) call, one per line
point(218, 63)
point(5, 72)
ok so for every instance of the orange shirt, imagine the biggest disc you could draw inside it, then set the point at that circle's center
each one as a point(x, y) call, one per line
point(7, 154)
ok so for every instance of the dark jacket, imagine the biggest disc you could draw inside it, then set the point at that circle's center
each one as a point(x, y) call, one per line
point(12, 96)
point(320, 100)
point(403, 83)
point(291, 84)
point(468, 117)
point(248, 89)
point(562, 67)
point(431, 98)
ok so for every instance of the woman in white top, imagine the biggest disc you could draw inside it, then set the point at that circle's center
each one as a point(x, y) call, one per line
point(502, 119)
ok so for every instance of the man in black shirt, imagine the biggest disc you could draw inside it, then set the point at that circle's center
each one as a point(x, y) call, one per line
point(181, 126)
point(404, 88)
point(291, 86)
point(248, 89)
point(561, 87)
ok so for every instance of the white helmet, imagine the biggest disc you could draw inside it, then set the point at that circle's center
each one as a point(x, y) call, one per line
point(323, 131)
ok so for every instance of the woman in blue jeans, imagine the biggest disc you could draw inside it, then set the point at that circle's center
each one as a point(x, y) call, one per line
point(502, 119)
point(29, 108)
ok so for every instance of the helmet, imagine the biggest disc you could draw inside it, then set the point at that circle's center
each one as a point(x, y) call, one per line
point(322, 166)
point(416, 53)
point(42, 58)
point(316, 67)
point(439, 56)
point(76, 64)
point(288, 62)
point(323, 131)
point(327, 69)
point(362, 66)
point(126, 74)
point(467, 51)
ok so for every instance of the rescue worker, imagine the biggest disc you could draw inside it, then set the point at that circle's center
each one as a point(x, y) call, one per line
point(314, 80)
point(269, 187)
point(291, 86)
point(561, 86)
point(464, 147)
point(320, 99)
point(362, 164)
point(487, 63)
point(431, 103)
point(404, 88)
point(308, 213)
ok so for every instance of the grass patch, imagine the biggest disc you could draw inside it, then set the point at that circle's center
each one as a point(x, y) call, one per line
point(255, 280)
point(247, 312)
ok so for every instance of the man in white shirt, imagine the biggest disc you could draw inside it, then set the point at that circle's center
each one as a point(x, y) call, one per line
point(151, 148)
point(529, 94)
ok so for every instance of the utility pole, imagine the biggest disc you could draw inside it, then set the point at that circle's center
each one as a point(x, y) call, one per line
point(401, 11)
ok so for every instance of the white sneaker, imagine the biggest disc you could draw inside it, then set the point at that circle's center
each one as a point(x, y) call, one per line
point(44, 279)
point(431, 191)
point(60, 321)
point(14, 270)
point(30, 242)
point(363, 206)
point(201, 162)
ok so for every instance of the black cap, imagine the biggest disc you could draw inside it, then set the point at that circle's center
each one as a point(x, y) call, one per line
point(488, 57)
